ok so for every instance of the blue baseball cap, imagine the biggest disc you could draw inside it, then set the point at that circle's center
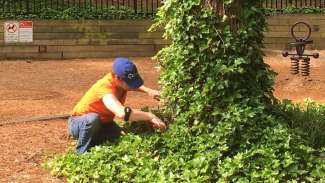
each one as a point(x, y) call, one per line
point(128, 72)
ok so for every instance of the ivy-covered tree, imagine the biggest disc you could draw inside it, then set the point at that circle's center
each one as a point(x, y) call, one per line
point(215, 81)
point(226, 126)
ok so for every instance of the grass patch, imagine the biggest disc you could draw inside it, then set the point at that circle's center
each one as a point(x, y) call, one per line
point(308, 118)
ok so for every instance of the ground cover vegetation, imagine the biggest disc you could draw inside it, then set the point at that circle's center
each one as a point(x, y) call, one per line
point(225, 124)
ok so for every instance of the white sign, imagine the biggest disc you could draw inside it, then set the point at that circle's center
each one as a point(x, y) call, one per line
point(11, 30)
point(18, 32)
point(25, 31)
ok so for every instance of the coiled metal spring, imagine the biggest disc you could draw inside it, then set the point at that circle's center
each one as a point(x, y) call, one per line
point(294, 65)
point(305, 67)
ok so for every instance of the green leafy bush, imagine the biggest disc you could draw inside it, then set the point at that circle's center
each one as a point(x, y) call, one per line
point(293, 10)
point(308, 118)
point(76, 13)
point(226, 124)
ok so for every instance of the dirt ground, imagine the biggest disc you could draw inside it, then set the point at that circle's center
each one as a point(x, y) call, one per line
point(41, 88)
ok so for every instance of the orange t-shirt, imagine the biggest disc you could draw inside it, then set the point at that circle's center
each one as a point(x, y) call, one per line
point(92, 100)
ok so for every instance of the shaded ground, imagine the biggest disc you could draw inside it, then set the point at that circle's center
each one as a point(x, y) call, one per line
point(38, 88)
point(25, 146)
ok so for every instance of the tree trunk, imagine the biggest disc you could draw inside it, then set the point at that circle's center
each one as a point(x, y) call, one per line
point(232, 11)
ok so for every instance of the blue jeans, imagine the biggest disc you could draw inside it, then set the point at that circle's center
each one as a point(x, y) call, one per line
point(91, 131)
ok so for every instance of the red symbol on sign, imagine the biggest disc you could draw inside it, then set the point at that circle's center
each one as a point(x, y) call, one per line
point(11, 28)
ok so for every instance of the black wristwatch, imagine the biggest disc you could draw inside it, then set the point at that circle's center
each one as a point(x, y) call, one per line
point(127, 111)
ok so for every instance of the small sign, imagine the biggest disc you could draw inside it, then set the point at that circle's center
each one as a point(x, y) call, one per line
point(18, 32)
point(25, 31)
point(11, 30)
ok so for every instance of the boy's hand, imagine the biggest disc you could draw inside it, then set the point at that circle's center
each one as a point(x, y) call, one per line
point(157, 123)
point(154, 94)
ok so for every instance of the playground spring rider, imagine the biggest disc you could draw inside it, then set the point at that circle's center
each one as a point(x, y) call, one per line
point(300, 56)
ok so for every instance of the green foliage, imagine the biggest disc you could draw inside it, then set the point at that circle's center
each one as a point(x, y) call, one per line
point(76, 13)
point(308, 118)
point(114, 163)
point(227, 126)
point(293, 10)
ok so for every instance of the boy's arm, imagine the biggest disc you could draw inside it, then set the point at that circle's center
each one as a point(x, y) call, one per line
point(114, 105)
point(152, 93)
